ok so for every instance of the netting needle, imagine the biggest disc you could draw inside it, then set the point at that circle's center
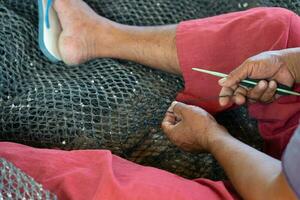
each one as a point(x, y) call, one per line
point(281, 89)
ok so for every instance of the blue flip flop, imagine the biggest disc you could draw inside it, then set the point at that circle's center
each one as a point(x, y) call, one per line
point(49, 30)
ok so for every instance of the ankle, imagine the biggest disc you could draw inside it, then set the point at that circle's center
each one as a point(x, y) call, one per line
point(109, 39)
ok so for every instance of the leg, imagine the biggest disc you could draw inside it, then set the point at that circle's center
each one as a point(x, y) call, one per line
point(218, 43)
point(101, 175)
point(87, 35)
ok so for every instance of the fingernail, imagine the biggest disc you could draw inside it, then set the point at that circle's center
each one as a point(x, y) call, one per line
point(222, 102)
point(261, 84)
point(272, 84)
point(222, 81)
point(172, 105)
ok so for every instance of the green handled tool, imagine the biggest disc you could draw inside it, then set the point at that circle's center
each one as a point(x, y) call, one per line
point(281, 89)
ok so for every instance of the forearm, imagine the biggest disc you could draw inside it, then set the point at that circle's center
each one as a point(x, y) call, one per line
point(254, 174)
point(151, 46)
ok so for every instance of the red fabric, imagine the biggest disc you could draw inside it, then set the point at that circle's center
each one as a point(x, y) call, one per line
point(224, 42)
point(218, 43)
point(100, 175)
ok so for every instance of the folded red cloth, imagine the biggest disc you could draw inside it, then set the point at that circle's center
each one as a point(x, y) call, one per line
point(97, 174)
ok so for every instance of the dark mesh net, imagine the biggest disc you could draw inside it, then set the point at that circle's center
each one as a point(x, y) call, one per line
point(105, 103)
point(14, 184)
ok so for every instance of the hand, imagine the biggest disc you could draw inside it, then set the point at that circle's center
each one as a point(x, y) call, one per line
point(272, 67)
point(190, 128)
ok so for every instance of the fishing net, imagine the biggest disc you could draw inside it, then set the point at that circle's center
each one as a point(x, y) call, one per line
point(105, 103)
point(14, 184)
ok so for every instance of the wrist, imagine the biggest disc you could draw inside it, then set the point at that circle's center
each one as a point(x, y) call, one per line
point(217, 138)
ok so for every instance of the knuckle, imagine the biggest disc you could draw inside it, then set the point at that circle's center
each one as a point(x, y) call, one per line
point(230, 76)
point(249, 61)
point(239, 93)
point(252, 61)
point(269, 93)
point(267, 98)
point(257, 91)
point(253, 96)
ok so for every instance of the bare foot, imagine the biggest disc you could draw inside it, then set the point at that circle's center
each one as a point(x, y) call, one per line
point(85, 35)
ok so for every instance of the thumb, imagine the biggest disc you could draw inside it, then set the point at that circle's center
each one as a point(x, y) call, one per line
point(235, 76)
point(180, 108)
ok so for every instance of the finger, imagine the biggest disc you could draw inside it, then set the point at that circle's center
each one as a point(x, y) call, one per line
point(168, 122)
point(225, 96)
point(235, 76)
point(172, 131)
point(170, 118)
point(240, 95)
point(268, 95)
point(180, 109)
point(170, 109)
point(255, 93)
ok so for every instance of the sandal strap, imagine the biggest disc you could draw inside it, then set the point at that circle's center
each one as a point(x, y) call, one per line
point(48, 7)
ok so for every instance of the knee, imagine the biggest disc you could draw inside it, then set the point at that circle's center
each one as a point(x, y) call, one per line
point(275, 18)
point(281, 12)
point(275, 14)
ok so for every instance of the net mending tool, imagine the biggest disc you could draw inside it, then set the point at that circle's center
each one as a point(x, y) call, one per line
point(281, 89)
